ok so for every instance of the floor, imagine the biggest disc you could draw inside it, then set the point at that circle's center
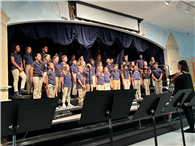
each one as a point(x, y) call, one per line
point(170, 139)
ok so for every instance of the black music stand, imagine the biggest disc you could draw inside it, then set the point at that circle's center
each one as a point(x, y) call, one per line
point(180, 97)
point(109, 106)
point(26, 115)
point(152, 105)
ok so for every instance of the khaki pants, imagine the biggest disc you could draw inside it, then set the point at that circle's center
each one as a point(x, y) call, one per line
point(16, 73)
point(81, 93)
point(74, 86)
point(137, 86)
point(146, 85)
point(126, 84)
point(51, 90)
point(88, 86)
point(106, 86)
point(37, 82)
point(94, 83)
point(29, 85)
point(116, 85)
point(58, 84)
point(158, 86)
point(44, 77)
point(100, 87)
point(66, 94)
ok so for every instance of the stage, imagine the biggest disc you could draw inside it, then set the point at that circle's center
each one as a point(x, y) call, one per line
point(66, 130)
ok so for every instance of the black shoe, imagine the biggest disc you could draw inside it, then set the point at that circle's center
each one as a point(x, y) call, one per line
point(189, 131)
point(17, 94)
point(23, 91)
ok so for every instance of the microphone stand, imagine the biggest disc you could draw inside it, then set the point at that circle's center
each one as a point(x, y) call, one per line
point(89, 78)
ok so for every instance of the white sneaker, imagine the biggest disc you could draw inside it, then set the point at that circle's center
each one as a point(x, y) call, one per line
point(70, 105)
point(57, 108)
point(63, 106)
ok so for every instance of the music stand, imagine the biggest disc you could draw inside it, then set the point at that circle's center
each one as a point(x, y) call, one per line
point(27, 115)
point(152, 105)
point(180, 97)
point(110, 106)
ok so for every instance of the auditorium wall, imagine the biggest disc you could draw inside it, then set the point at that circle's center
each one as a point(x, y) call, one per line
point(179, 45)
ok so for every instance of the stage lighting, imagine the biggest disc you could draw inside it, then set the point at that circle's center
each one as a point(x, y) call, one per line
point(188, 9)
point(167, 2)
point(179, 5)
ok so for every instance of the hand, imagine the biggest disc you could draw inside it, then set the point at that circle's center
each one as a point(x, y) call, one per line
point(20, 69)
point(132, 84)
point(75, 80)
point(104, 87)
point(123, 83)
point(111, 86)
point(31, 80)
point(84, 87)
point(156, 80)
point(140, 83)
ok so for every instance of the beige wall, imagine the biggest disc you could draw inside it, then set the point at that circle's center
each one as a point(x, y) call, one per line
point(4, 56)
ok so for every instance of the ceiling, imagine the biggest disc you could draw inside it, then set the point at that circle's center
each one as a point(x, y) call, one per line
point(155, 12)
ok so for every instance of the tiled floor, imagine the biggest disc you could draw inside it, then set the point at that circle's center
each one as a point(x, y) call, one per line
point(170, 139)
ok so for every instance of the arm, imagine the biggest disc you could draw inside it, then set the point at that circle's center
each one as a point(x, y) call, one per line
point(129, 79)
point(132, 81)
point(122, 78)
point(160, 77)
point(24, 63)
point(84, 79)
point(83, 86)
point(96, 80)
point(21, 65)
point(31, 73)
point(154, 77)
point(73, 77)
point(140, 80)
point(62, 81)
point(14, 63)
point(111, 79)
point(47, 77)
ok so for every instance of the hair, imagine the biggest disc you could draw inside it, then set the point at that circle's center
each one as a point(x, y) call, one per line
point(124, 67)
point(63, 56)
point(79, 67)
point(54, 57)
point(184, 65)
point(81, 64)
point(90, 60)
point(44, 46)
point(98, 63)
point(37, 54)
point(13, 48)
point(98, 68)
point(115, 65)
point(105, 68)
point(146, 62)
point(64, 70)
point(44, 57)
point(26, 48)
point(134, 66)
point(97, 58)
point(155, 63)
point(151, 58)
point(48, 64)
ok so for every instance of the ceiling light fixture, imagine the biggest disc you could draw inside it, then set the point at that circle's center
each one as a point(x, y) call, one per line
point(179, 5)
point(167, 2)
point(188, 9)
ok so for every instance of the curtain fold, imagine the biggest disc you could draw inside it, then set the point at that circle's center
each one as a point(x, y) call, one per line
point(64, 34)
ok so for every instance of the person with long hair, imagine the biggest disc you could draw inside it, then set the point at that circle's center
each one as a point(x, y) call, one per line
point(81, 59)
point(17, 69)
point(27, 61)
point(99, 79)
point(183, 80)
point(43, 52)
point(67, 85)
point(98, 58)
point(58, 74)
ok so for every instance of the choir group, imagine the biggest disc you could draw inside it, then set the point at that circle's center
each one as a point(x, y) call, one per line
point(69, 78)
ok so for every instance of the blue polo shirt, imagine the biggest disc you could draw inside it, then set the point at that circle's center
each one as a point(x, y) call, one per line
point(74, 69)
point(42, 55)
point(100, 80)
point(93, 70)
point(116, 75)
point(52, 77)
point(28, 59)
point(62, 64)
point(136, 75)
point(80, 77)
point(17, 59)
point(67, 80)
point(157, 72)
point(57, 70)
point(86, 75)
point(125, 74)
point(44, 67)
point(110, 68)
point(146, 76)
point(106, 78)
point(140, 63)
point(37, 69)
point(126, 62)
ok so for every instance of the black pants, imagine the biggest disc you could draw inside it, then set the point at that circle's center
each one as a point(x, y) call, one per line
point(189, 115)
